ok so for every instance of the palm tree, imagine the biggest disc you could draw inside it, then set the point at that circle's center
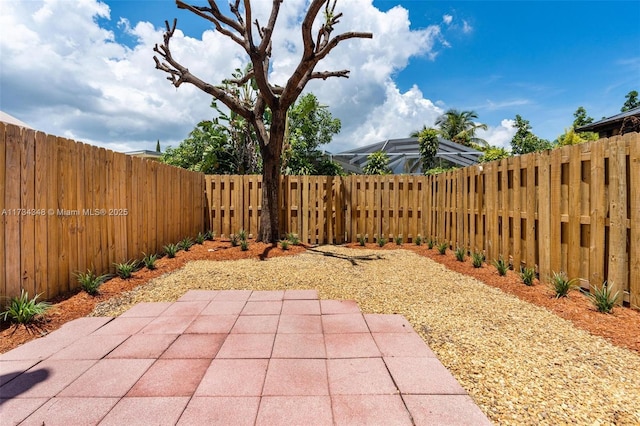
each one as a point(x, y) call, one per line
point(459, 127)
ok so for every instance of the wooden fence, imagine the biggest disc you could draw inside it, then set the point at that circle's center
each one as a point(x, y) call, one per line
point(67, 207)
point(574, 209)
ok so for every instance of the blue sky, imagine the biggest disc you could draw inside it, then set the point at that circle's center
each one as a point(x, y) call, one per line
point(86, 72)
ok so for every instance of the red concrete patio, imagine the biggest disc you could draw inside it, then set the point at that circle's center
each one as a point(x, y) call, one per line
point(233, 358)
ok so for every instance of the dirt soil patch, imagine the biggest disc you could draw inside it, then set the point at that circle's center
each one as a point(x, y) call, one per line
point(524, 356)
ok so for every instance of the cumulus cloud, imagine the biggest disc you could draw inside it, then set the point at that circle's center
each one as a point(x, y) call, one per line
point(447, 19)
point(64, 73)
point(499, 135)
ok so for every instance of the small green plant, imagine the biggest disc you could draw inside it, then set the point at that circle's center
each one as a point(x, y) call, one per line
point(235, 240)
point(90, 282)
point(171, 250)
point(149, 261)
point(284, 244)
point(22, 310)
point(602, 298)
point(501, 265)
point(362, 240)
point(430, 243)
point(442, 248)
point(382, 241)
point(200, 238)
point(562, 285)
point(460, 254)
point(293, 239)
point(527, 275)
point(209, 235)
point(244, 245)
point(418, 240)
point(185, 244)
point(398, 240)
point(125, 269)
point(477, 259)
point(242, 234)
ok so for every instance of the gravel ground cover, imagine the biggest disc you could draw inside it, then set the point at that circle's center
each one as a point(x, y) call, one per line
point(521, 363)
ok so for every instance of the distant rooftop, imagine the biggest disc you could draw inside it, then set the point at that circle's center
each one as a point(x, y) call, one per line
point(9, 119)
point(609, 126)
point(404, 155)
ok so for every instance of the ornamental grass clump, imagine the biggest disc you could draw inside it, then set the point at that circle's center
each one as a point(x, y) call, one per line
point(562, 285)
point(418, 240)
point(284, 244)
point(242, 234)
point(477, 259)
point(235, 240)
point(185, 244)
point(149, 261)
point(527, 275)
point(382, 241)
point(125, 269)
point(460, 254)
point(200, 238)
point(244, 245)
point(398, 240)
point(24, 311)
point(430, 243)
point(293, 239)
point(362, 240)
point(90, 281)
point(502, 266)
point(603, 299)
point(171, 250)
point(442, 248)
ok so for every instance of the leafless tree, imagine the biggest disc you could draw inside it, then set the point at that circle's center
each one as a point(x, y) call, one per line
point(255, 39)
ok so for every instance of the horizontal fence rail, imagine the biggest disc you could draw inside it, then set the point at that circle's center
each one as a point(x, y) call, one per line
point(67, 207)
point(574, 209)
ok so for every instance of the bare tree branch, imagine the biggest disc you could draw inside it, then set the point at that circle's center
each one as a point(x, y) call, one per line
point(216, 18)
point(179, 74)
point(337, 39)
point(326, 74)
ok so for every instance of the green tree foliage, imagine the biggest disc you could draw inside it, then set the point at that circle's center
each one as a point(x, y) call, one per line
point(493, 153)
point(428, 144)
point(631, 101)
point(206, 150)
point(309, 126)
point(524, 141)
point(158, 146)
point(571, 137)
point(581, 118)
point(377, 164)
point(458, 126)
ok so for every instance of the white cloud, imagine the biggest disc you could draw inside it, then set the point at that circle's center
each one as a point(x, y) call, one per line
point(466, 27)
point(64, 73)
point(500, 135)
point(447, 19)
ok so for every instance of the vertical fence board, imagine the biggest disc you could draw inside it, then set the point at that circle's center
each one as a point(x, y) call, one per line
point(634, 203)
point(556, 224)
point(41, 235)
point(573, 244)
point(12, 201)
point(516, 220)
point(618, 259)
point(544, 214)
point(27, 202)
point(4, 247)
point(598, 211)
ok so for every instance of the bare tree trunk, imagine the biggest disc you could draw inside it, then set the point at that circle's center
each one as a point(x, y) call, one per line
point(269, 230)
